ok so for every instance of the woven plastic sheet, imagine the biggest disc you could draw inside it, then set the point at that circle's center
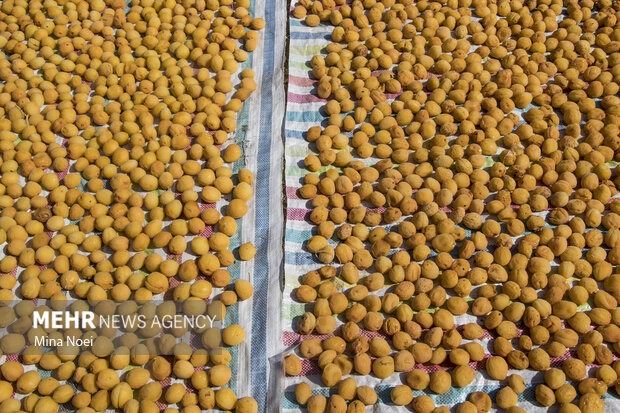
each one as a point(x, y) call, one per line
point(303, 112)
point(259, 134)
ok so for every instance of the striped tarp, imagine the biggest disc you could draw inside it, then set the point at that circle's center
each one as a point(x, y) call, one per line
point(303, 112)
point(259, 134)
point(263, 225)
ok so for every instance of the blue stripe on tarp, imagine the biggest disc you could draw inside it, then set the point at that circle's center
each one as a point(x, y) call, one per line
point(298, 235)
point(296, 134)
point(258, 355)
point(313, 117)
point(310, 35)
point(301, 258)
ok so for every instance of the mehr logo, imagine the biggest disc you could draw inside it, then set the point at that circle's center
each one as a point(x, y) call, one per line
point(64, 319)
